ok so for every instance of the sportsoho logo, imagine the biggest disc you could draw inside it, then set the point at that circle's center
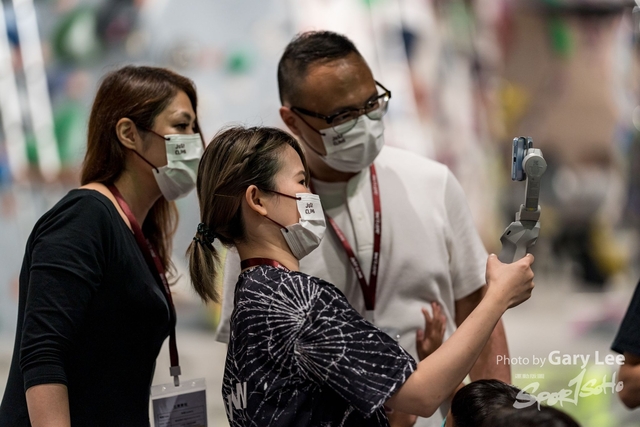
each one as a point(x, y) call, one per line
point(577, 387)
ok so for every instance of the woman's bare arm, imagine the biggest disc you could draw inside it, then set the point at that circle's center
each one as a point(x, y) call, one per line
point(438, 375)
point(48, 405)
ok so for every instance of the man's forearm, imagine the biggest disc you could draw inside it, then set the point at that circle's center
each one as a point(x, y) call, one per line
point(487, 365)
point(630, 377)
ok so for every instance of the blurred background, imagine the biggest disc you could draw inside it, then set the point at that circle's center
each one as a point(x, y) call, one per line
point(466, 76)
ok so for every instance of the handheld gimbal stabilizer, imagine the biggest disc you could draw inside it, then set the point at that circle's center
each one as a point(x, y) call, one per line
point(528, 164)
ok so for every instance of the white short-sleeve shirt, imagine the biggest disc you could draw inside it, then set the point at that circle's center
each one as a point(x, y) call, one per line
point(430, 249)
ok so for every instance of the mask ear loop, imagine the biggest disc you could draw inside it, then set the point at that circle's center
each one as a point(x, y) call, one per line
point(285, 195)
point(140, 155)
point(278, 224)
point(148, 162)
point(155, 133)
point(315, 130)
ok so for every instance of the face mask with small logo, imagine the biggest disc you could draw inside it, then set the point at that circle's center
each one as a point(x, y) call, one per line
point(305, 235)
point(356, 149)
point(178, 177)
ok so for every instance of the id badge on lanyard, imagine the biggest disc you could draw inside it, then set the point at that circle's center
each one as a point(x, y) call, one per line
point(175, 404)
point(181, 406)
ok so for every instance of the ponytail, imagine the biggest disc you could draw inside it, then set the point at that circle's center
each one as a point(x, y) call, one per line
point(204, 260)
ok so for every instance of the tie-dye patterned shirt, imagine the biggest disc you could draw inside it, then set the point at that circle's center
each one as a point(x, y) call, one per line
point(300, 355)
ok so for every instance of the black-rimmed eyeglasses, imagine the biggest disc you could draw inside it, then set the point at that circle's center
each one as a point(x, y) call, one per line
point(343, 121)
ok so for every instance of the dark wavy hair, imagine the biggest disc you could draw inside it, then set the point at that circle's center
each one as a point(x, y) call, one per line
point(140, 94)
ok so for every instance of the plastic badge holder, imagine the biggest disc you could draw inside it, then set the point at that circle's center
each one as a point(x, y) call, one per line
point(182, 406)
point(392, 332)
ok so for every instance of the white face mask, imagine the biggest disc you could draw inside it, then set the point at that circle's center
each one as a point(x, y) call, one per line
point(305, 235)
point(178, 177)
point(356, 149)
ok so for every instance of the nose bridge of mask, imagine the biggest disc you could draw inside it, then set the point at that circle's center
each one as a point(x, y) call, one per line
point(183, 148)
point(334, 141)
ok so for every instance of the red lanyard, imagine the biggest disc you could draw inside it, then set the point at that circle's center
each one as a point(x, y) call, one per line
point(153, 260)
point(368, 289)
point(253, 262)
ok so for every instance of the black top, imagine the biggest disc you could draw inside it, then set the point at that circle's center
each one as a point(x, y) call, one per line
point(628, 338)
point(300, 355)
point(91, 316)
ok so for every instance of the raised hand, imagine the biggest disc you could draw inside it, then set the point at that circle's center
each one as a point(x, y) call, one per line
point(511, 284)
point(430, 338)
